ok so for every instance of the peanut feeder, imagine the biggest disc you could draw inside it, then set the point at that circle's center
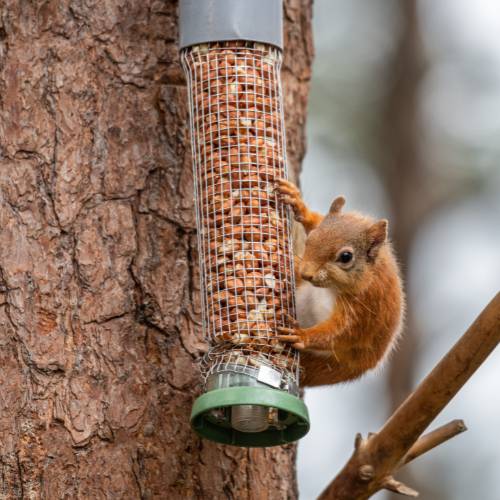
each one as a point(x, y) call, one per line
point(231, 54)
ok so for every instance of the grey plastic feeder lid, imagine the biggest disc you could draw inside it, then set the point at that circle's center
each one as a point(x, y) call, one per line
point(203, 21)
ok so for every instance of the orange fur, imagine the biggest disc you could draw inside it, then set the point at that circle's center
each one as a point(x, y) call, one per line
point(367, 313)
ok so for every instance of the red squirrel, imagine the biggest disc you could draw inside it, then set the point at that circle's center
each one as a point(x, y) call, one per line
point(350, 300)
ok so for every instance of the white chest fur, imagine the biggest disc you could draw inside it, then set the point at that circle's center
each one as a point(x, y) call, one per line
point(314, 305)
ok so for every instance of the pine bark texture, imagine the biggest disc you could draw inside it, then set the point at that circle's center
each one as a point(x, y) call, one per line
point(99, 289)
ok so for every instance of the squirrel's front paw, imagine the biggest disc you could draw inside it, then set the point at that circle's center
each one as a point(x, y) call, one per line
point(296, 336)
point(290, 194)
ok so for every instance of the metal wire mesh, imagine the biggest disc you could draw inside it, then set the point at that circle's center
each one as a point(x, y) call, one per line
point(238, 146)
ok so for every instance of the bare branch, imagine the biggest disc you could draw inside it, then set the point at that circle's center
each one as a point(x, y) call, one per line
point(392, 484)
point(433, 439)
point(385, 450)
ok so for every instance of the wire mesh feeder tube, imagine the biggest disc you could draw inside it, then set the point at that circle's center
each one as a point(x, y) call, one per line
point(247, 279)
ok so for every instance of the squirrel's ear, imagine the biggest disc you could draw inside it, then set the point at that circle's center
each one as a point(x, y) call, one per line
point(376, 234)
point(337, 205)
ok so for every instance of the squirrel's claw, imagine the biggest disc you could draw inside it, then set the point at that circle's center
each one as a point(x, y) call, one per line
point(288, 192)
point(284, 329)
point(293, 321)
point(290, 195)
point(291, 336)
point(286, 187)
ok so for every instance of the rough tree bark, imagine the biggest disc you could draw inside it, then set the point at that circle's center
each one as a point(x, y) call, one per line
point(99, 310)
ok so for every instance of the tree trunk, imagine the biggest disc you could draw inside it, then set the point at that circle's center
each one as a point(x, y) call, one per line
point(99, 291)
point(405, 175)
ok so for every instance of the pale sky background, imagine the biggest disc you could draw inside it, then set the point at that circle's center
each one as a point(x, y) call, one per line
point(455, 265)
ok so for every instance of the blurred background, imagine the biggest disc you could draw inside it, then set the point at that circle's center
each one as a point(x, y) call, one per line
point(404, 120)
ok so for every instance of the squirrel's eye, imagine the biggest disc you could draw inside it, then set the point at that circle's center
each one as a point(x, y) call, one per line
point(345, 257)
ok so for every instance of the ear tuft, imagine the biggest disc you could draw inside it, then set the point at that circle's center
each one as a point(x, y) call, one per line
point(377, 235)
point(337, 205)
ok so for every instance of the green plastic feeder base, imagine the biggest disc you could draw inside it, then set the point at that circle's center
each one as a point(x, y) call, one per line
point(210, 416)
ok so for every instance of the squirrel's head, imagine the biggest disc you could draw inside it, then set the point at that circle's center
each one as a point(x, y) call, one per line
point(342, 251)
